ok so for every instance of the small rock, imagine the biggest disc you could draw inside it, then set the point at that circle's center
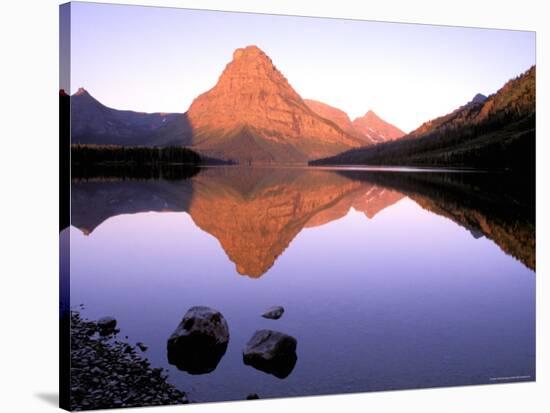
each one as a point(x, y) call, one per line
point(274, 313)
point(252, 396)
point(104, 375)
point(272, 352)
point(199, 342)
point(96, 370)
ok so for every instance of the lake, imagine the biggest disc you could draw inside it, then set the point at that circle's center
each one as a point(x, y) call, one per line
point(390, 279)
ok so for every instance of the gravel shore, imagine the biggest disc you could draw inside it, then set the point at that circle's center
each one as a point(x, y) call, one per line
point(109, 373)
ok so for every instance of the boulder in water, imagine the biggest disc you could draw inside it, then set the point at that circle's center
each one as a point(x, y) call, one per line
point(199, 342)
point(272, 352)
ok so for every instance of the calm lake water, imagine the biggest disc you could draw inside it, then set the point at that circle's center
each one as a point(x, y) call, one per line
point(389, 280)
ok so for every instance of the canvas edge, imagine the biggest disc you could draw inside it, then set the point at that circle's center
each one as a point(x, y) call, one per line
point(64, 204)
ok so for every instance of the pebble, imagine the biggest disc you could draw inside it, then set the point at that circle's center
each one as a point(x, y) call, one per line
point(107, 373)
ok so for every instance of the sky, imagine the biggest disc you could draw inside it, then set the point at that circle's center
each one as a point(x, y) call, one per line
point(151, 59)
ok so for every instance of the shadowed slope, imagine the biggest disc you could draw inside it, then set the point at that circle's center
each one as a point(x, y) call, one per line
point(94, 123)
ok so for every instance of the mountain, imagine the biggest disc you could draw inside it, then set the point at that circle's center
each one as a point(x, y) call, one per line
point(369, 128)
point(376, 128)
point(497, 132)
point(478, 98)
point(456, 117)
point(94, 123)
point(338, 117)
point(253, 114)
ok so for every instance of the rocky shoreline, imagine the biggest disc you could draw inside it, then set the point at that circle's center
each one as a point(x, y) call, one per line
point(107, 372)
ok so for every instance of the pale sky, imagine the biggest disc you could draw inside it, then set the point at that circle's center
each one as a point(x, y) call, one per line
point(151, 59)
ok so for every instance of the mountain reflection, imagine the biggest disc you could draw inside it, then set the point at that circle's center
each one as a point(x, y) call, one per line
point(255, 213)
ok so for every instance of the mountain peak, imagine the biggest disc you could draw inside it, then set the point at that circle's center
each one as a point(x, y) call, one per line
point(253, 114)
point(374, 127)
point(338, 117)
point(251, 61)
point(81, 91)
point(248, 51)
point(478, 98)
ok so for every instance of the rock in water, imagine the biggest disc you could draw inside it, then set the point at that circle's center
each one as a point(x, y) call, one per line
point(199, 342)
point(271, 352)
point(274, 313)
point(252, 396)
point(106, 325)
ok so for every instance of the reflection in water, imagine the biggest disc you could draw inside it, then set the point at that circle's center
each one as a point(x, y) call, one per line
point(500, 207)
point(255, 213)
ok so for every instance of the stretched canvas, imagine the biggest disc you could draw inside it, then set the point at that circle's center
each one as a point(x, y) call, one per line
point(259, 206)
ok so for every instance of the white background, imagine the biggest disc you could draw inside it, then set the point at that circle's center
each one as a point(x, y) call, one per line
point(29, 206)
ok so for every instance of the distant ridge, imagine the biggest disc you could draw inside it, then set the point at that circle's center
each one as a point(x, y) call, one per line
point(94, 123)
point(338, 117)
point(370, 128)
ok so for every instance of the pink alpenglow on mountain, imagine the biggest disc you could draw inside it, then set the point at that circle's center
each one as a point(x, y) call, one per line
point(253, 115)
point(370, 128)
point(376, 128)
point(339, 117)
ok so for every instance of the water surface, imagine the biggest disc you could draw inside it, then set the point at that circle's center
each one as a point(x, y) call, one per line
point(389, 280)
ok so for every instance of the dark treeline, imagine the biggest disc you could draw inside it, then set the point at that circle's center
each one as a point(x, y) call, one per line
point(494, 146)
point(118, 162)
point(85, 155)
